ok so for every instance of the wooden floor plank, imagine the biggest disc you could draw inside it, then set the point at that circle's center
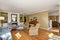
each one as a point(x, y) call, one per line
point(43, 35)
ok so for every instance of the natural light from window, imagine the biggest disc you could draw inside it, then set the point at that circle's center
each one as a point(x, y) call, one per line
point(51, 34)
point(18, 35)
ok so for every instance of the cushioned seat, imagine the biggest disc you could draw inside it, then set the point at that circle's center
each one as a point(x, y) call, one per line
point(34, 30)
point(5, 33)
point(0, 38)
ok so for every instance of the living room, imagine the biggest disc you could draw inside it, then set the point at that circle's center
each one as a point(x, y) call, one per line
point(15, 17)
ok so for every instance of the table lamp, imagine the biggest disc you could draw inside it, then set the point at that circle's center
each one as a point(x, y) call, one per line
point(1, 19)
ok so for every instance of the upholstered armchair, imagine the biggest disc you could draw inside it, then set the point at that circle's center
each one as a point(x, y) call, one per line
point(33, 30)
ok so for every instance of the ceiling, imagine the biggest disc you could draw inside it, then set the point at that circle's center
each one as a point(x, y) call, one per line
point(29, 6)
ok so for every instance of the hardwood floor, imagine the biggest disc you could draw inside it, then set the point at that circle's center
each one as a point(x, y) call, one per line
point(24, 35)
point(57, 28)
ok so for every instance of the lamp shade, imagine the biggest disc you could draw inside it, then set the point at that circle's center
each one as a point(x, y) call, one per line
point(1, 18)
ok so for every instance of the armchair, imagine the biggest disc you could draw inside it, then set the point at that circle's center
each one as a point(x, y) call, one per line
point(34, 29)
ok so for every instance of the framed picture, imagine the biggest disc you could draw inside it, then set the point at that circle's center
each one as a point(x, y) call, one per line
point(13, 17)
point(21, 18)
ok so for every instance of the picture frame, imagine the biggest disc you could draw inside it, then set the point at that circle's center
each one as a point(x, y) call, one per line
point(13, 17)
point(21, 18)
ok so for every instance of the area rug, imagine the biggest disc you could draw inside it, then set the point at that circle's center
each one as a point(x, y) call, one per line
point(54, 37)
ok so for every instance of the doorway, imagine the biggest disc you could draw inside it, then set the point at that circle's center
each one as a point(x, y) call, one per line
point(54, 21)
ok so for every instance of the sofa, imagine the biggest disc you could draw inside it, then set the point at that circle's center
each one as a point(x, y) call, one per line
point(5, 33)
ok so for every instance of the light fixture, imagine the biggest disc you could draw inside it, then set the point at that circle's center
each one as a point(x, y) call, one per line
point(1, 19)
